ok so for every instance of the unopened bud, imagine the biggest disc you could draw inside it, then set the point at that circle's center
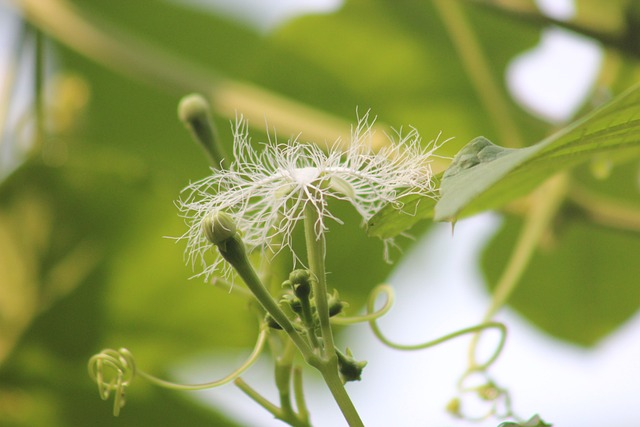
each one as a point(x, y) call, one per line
point(194, 112)
point(349, 368)
point(336, 306)
point(301, 283)
point(218, 227)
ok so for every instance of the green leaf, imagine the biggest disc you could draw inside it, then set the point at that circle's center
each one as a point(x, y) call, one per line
point(535, 421)
point(392, 220)
point(579, 286)
point(483, 176)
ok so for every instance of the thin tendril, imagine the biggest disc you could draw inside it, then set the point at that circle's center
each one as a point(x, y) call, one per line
point(411, 347)
point(488, 391)
point(122, 364)
point(232, 376)
point(370, 316)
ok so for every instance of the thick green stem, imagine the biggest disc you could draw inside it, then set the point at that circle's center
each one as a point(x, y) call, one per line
point(316, 247)
point(328, 363)
point(233, 251)
point(329, 371)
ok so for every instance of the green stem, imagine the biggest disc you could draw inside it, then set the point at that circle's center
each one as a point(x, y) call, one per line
point(479, 71)
point(531, 15)
point(258, 398)
point(39, 87)
point(301, 403)
point(283, 369)
point(329, 371)
point(545, 204)
point(328, 364)
point(604, 210)
point(128, 53)
point(316, 248)
point(308, 321)
point(233, 251)
point(288, 417)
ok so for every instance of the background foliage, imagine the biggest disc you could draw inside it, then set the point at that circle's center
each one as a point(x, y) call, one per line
point(91, 169)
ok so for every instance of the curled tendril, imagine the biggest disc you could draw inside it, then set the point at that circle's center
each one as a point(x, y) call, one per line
point(372, 314)
point(485, 390)
point(113, 370)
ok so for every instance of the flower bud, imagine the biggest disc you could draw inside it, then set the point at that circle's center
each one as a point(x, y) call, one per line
point(218, 227)
point(336, 306)
point(271, 322)
point(454, 407)
point(194, 112)
point(349, 368)
point(301, 283)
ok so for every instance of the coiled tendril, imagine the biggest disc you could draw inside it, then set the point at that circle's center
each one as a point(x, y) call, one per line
point(113, 370)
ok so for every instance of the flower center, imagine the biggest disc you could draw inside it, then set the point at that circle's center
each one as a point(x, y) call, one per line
point(305, 176)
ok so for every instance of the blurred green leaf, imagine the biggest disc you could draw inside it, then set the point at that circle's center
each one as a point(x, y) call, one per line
point(579, 286)
point(534, 421)
point(483, 176)
point(391, 220)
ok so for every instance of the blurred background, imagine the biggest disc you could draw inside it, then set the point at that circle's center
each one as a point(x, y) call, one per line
point(93, 157)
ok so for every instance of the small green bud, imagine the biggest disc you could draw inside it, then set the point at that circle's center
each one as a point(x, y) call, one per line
point(194, 112)
point(336, 306)
point(488, 391)
point(349, 368)
point(293, 302)
point(218, 227)
point(301, 283)
point(454, 407)
point(193, 109)
point(271, 322)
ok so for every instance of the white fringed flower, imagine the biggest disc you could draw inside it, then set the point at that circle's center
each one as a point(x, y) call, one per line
point(266, 192)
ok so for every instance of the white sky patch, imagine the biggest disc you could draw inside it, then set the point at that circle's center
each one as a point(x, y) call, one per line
point(558, 9)
point(262, 15)
point(553, 79)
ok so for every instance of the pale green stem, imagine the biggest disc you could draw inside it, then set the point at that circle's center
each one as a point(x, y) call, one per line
point(118, 49)
point(288, 417)
point(316, 247)
point(606, 211)
point(479, 71)
point(329, 371)
point(309, 323)
point(9, 88)
point(328, 363)
point(233, 251)
point(546, 202)
point(283, 371)
point(258, 398)
point(38, 78)
point(301, 404)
